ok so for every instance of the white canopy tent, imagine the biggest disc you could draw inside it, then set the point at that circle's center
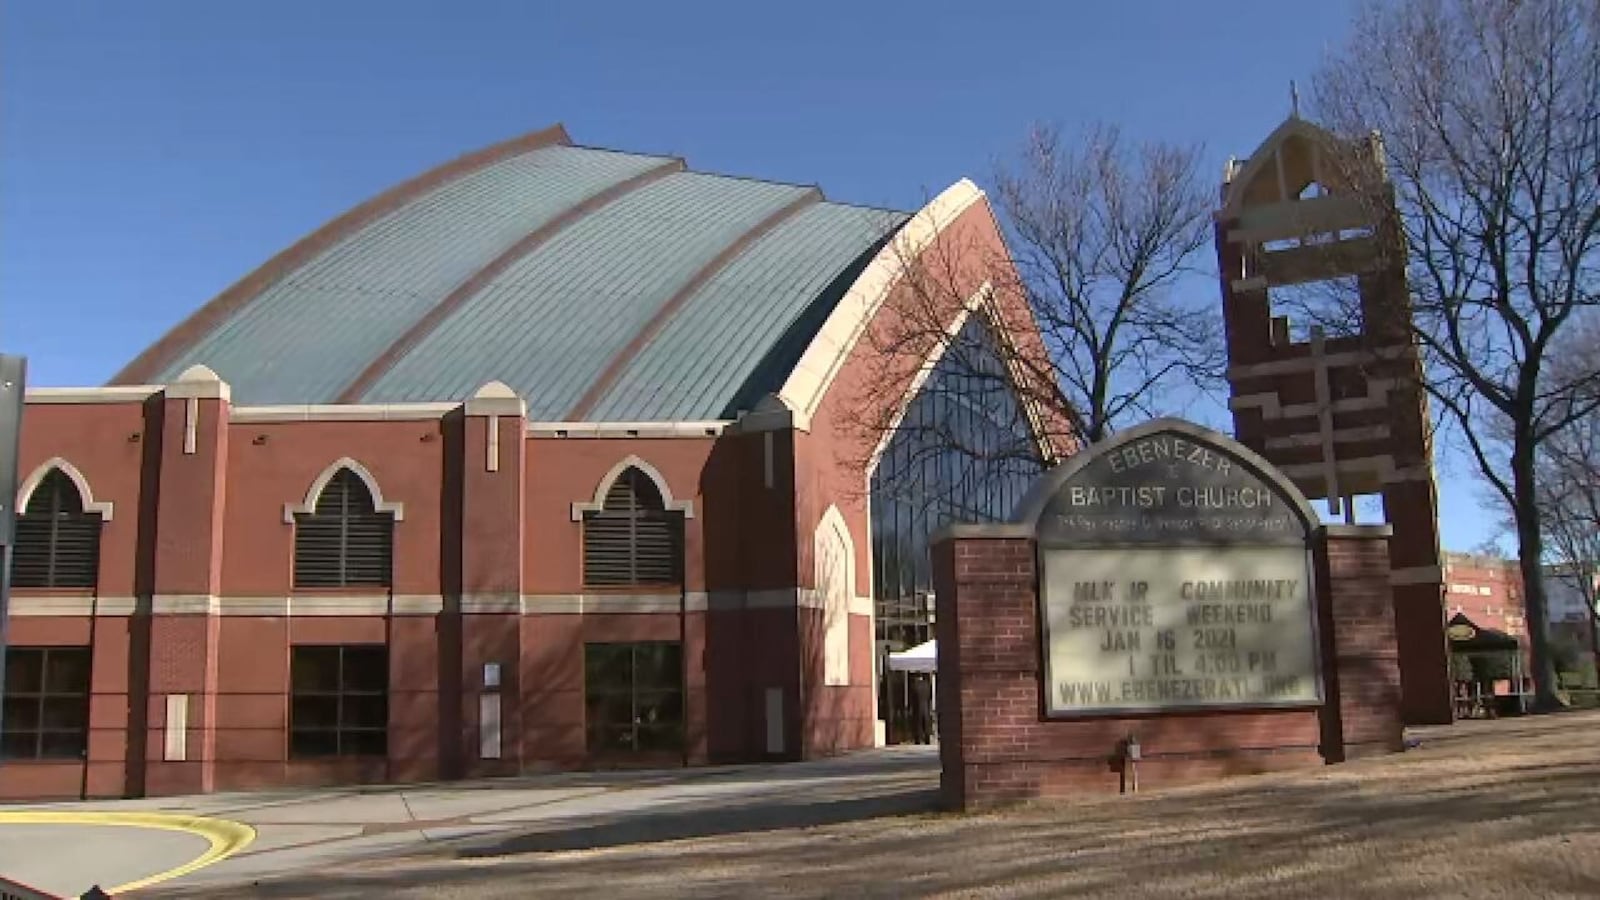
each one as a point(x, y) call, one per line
point(922, 658)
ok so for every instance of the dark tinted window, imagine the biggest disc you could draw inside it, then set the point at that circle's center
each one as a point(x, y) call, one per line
point(46, 703)
point(633, 697)
point(963, 452)
point(339, 700)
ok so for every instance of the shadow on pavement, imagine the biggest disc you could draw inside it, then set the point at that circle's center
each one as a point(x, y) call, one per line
point(689, 822)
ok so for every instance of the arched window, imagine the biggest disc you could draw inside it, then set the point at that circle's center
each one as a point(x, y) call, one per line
point(345, 541)
point(633, 539)
point(57, 542)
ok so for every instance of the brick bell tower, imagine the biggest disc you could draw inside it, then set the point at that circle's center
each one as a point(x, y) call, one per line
point(1313, 217)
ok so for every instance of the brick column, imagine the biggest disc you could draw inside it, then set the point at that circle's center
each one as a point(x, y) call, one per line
point(1360, 655)
point(753, 660)
point(1418, 599)
point(492, 499)
point(180, 756)
point(988, 700)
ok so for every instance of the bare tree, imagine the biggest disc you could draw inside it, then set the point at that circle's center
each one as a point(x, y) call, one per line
point(1092, 333)
point(1490, 116)
point(1569, 510)
point(1100, 234)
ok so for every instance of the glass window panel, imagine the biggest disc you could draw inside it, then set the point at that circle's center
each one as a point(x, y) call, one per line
point(21, 713)
point(365, 710)
point(658, 665)
point(19, 744)
point(964, 452)
point(660, 707)
point(24, 670)
point(65, 713)
point(660, 738)
point(608, 738)
point(314, 742)
point(315, 669)
point(62, 744)
point(364, 742)
point(608, 665)
point(67, 670)
point(315, 711)
point(366, 668)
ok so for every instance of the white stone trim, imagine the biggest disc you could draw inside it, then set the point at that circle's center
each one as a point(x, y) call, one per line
point(31, 484)
point(827, 352)
point(495, 398)
point(191, 424)
point(1245, 285)
point(1377, 397)
point(131, 393)
point(491, 603)
point(1362, 433)
point(1417, 575)
point(176, 744)
point(702, 429)
point(363, 604)
point(1267, 153)
point(299, 605)
point(601, 604)
point(344, 412)
point(199, 383)
point(309, 505)
point(834, 591)
point(185, 605)
point(1306, 363)
point(631, 461)
point(69, 605)
point(491, 462)
point(1297, 218)
point(302, 605)
point(1383, 466)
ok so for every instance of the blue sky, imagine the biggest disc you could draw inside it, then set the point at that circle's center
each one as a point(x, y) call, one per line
point(152, 153)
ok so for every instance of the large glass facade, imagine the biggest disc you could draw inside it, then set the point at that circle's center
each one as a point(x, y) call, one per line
point(964, 452)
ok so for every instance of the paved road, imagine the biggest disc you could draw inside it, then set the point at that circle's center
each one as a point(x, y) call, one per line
point(68, 859)
point(301, 830)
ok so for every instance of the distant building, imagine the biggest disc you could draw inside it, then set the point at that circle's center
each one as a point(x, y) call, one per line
point(1487, 589)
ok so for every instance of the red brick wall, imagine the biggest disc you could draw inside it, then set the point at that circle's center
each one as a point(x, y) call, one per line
point(997, 747)
point(1360, 654)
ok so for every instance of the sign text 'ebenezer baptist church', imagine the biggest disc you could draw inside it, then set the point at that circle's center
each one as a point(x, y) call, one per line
point(1174, 574)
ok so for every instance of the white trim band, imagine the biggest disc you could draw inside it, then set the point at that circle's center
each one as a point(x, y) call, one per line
point(301, 605)
point(58, 605)
point(708, 428)
point(344, 412)
point(133, 393)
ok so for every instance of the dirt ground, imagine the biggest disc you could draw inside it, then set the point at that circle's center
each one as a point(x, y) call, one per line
point(1482, 809)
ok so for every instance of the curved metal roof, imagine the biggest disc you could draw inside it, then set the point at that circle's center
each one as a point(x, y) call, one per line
point(597, 284)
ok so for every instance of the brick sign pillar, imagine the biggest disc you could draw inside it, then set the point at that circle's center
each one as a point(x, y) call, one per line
point(1165, 609)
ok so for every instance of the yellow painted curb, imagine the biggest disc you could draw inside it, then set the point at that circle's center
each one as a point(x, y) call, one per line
point(227, 837)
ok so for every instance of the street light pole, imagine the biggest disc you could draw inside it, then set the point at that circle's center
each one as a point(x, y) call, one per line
point(13, 378)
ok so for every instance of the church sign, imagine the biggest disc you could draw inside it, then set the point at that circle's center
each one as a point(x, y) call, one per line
point(1175, 573)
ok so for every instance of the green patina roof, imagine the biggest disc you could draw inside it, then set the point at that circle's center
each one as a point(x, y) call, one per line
point(599, 285)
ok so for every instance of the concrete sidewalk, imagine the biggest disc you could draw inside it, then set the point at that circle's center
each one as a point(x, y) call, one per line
point(300, 830)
